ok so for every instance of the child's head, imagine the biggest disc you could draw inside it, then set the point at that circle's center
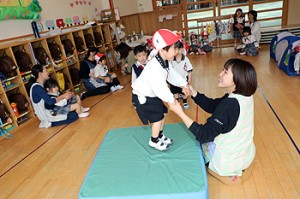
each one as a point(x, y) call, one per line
point(164, 41)
point(100, 58)
point(140, 53)
point(252, 15)
point(204, 35)
point(179, 45)
point(239, 77)
point(51, 86)
point(91, 53)
point(246, 31)
point(193, 36)
point(238, 12)
point(122, 50)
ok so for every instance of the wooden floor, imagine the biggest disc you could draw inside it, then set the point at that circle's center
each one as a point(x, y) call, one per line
point(52, 163)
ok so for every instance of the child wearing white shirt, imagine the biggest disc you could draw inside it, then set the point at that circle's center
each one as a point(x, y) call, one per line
point(250, 45)
point(103, 75)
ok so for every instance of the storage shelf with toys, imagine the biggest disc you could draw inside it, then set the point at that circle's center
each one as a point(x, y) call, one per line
point(61, 53)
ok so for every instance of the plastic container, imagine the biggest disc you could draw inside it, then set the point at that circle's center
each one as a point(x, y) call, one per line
point(15, 109)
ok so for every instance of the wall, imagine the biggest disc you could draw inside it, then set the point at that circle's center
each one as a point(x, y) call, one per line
point(52, 10)
point(293, 12)
point(127, 7)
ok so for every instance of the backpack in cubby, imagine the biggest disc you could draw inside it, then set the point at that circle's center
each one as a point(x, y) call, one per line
point(68, 46)
point(23, 61)
point(89, 40)
point(98, 38)
point(79, 44)
point(41, 55)
point(7, 66)
point(55, 51)
point(20, 100)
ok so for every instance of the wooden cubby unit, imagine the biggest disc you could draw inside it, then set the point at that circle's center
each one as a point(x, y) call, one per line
point(18, 82)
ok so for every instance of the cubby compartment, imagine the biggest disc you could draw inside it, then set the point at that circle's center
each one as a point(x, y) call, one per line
point(41, 52)
point(23, 57)
point(89, 38)
point(56, 50)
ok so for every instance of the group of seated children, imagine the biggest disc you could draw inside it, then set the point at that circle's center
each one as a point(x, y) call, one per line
point(199, 47)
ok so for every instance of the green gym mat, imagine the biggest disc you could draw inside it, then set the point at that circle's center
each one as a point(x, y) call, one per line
point(127, 167)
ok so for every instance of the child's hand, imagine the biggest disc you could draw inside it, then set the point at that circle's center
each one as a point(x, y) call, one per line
point(176, 108)
point(107, 80)
point(187, 91)
point(193, 91)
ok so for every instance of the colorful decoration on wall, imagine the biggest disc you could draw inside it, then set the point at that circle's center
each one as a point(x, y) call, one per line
point(69, 22)
point(21, 9)
point(60, 23)
point(85, 19)
point(76, 20)
point(80, 3)
point(50, 24)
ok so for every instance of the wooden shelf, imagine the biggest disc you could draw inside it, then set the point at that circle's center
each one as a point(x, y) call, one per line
point(29, 45)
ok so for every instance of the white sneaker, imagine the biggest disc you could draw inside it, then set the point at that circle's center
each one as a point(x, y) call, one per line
point(113, 89)
point(186, 106)
point(243, 53)
point(45, 124)
point(118, 87)
point(159, 145)
point(85, 109)
point(81, 115)
point(166, 140)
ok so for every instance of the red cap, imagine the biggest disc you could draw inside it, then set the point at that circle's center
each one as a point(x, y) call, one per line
point(98, 56)
point(163, 38)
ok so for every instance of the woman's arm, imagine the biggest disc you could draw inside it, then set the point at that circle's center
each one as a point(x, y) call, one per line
point(223, 120)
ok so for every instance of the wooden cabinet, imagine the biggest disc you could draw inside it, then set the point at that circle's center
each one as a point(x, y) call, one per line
point(60, 53)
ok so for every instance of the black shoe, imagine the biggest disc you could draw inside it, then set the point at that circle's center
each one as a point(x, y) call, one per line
point(83, 96)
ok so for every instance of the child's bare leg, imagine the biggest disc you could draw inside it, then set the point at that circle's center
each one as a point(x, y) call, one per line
point(156, 126)
point(76, 107)
point(78, 100)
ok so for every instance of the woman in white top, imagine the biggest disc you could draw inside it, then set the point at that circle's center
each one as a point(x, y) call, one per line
point(254, 25)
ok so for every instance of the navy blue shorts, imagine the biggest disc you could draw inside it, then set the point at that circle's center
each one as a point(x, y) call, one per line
point(150, 112)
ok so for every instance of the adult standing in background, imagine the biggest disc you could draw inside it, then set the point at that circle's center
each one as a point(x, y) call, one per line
point(124, 55)
point(254, 25)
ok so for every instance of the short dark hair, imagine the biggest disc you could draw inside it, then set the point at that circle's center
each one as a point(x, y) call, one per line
point(244, 76)
point(247, 29)
point(50, 83)
point(176, 45)
point(102, 58)
point(254, 14)
point(123, 49)
point(139, 49)
point(91, 50)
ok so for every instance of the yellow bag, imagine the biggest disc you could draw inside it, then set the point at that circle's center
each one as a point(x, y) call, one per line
point(60, 80)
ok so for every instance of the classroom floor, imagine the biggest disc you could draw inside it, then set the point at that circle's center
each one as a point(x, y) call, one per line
point(52, 163)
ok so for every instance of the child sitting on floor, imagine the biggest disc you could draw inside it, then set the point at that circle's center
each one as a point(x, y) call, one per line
point(103, 76)
point(250, 45)
point(64, 106)
point(206, 45)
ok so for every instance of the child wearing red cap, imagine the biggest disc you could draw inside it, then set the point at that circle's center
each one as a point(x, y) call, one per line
point(103, 76)
point(206, 45)
point(151, 90)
